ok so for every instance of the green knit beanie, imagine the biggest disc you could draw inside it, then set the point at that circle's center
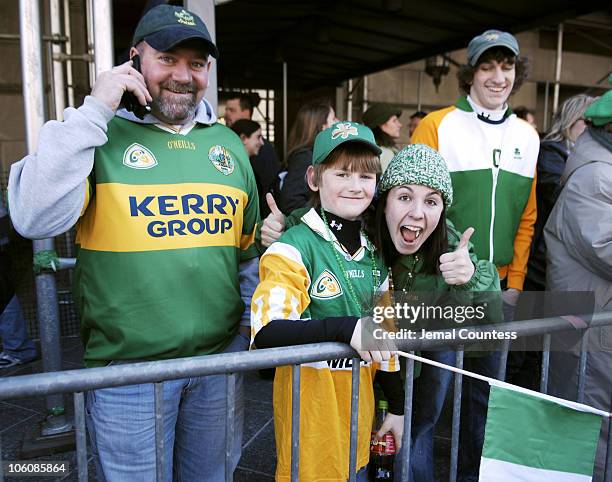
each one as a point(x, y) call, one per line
point(418, 164)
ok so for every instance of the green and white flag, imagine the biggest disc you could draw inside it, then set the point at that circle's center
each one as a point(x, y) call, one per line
point(533, 437)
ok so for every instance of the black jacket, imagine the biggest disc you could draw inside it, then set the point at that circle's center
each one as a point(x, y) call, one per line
point(266, 168)
point(295, 190)
point(6, 283)
point(551, 163)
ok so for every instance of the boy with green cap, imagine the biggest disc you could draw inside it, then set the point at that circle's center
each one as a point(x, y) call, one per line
point(314, 282)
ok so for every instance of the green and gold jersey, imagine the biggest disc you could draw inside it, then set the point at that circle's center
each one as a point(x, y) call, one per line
point(301, 279)
point(167, 219)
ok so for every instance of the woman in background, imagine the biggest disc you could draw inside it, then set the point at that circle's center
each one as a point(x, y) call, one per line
point(554, 150)
point(311, 119)
point(266, 173)
point(523, 366)
point(383, 119)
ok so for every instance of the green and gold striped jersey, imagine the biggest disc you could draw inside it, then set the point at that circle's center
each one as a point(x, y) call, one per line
point(300, 279)
point(166, 221)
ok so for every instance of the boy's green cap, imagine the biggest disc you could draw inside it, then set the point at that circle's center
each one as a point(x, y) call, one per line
point(341, 132)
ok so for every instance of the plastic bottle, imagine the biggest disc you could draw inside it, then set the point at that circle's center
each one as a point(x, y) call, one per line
point(382, 452)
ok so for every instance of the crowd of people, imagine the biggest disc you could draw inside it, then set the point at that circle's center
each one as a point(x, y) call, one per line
point(184, 252)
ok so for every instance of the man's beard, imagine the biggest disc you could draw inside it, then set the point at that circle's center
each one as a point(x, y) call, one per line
point(173, 107)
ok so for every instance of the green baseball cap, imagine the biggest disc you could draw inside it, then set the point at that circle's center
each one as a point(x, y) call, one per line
point(489, 39)
point(166, 26)
point(600, 111)
point(339, 133)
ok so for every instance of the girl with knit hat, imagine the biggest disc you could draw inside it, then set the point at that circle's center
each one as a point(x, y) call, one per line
point(414, 193)
point(427, 255)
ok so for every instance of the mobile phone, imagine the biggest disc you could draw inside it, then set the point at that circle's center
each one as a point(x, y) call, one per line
point(130, 102)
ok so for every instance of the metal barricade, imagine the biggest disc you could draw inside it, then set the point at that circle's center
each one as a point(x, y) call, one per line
point(78, 381)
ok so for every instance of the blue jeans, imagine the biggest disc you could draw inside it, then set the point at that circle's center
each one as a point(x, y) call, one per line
point(474, 405)
point(121, 423)
point(14, 334)
point(431, 392)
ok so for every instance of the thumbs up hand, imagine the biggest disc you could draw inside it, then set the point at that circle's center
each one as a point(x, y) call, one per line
point(457, 267)
point(274, 224)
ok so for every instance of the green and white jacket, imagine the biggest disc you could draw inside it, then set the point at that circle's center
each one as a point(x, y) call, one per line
point(492, 166)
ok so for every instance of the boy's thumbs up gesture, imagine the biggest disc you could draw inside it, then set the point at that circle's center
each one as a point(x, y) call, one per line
point(456, 266)
point(274, 225)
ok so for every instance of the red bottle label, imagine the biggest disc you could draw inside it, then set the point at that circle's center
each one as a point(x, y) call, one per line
point(384, 446)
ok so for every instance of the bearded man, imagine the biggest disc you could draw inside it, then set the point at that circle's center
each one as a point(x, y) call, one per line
point(165, 209)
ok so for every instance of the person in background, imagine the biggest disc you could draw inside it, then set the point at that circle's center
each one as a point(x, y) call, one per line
point(554, 150)
point(415, 119)
point(240, 106)
point(311, 119)
point(579, 254)
point(384, 121)
point(491, 155)
point(527, 115)
point(250, 135)
point(17, 347)
point(523, 366)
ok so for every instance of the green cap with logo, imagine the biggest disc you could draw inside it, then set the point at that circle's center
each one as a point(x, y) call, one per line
point(600, 111)
point(489, 39)
point(166, 26)
point(336, 135)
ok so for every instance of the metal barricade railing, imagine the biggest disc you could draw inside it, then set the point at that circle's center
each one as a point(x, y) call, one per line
point(78, 381)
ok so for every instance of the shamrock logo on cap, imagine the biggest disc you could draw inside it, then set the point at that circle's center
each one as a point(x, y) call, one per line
point(344, 130)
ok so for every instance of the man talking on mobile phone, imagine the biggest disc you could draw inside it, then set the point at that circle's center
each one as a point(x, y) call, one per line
point(166, 209)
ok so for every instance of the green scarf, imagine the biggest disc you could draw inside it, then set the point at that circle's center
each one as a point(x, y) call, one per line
point(602, 136)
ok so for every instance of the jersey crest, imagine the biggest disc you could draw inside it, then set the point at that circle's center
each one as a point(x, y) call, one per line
point(139, 157)
point(326, 286)
point(221, 159)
